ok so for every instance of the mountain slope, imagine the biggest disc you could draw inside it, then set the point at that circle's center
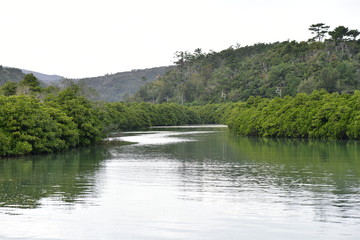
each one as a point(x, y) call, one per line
point(45, 78)
point(109, 88)
point(266, 70)
point(116, 87)
point(10, 74)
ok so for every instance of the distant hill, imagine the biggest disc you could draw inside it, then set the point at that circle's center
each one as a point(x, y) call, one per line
point(45, 78)
point(10, 74)
point(267, 70)
point(16, 75)
point(109, 88)
point(115, 87)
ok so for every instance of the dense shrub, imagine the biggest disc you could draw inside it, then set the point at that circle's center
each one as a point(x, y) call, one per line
point(318, 115)
point(29, 126)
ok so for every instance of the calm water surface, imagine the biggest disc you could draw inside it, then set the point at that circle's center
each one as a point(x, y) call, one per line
point(185, 183)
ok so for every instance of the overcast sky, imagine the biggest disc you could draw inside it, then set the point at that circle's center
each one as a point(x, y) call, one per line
point(83, 38)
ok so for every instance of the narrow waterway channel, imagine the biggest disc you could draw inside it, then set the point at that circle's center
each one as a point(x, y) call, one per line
point(185, 183)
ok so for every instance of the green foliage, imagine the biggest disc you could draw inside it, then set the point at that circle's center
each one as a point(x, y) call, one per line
point(65, 119)
point(319, 29)
point(339, 33)
point(237, 73)
point(31, 81)
point(353, 34)
point(28, 126)
point(9, 88)
point(319, 115)
point(82, 112)
point(29, 85)
point(134, 116)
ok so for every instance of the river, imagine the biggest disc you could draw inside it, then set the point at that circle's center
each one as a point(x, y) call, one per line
point(185, 183)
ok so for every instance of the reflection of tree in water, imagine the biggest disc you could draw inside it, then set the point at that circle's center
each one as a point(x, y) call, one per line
point(68, 176)
point(321, 175)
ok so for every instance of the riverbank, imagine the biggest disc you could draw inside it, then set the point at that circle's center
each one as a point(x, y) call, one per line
point(318, 115)
point(29, 125)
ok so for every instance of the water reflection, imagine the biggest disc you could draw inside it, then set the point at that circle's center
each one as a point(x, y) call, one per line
point(67, 178)
point(186, 184)
point(321, 176)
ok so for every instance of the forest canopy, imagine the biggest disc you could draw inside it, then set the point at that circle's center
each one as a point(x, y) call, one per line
point(329, 60)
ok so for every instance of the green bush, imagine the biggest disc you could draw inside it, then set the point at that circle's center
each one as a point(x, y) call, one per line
point(318, 115)
point(29, 126)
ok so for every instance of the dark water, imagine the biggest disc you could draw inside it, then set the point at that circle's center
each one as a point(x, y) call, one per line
point(186, 183)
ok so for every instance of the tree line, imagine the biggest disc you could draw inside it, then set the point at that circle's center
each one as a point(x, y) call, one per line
point(31, 124)
point(329, 60)
point(339, 34)
point(41, 121)
point(318, 115)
